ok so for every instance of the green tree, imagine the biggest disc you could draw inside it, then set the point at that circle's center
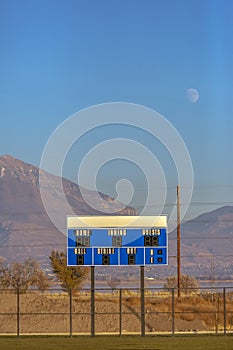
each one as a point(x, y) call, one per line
point(187, 283)
point(70, 277)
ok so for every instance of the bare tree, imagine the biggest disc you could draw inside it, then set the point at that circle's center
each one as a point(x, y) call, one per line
point(187, 283)
point(41, 281)
point(23, 275)
point(113, 282)
point(4, 276)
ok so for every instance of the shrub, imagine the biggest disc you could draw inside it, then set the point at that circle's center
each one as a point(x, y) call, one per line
point(188, 283)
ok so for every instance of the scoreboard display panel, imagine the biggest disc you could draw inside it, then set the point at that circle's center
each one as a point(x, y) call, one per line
point(117, 240)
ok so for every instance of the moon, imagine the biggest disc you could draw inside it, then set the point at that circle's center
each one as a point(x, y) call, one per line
point(192, 95)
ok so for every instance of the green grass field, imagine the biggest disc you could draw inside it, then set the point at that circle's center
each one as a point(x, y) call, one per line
point(112, 342)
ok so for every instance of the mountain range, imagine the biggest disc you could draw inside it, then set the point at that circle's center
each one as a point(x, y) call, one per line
point(26, 230)
point(207, 244)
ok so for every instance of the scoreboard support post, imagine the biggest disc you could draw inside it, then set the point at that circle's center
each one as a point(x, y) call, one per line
point(92, 301)
point(142, 290)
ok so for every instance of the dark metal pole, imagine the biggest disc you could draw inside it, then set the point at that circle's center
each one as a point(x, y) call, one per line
point(142, 288)
point(120, 312)
point(178, 240)
point(18, 314)
point(173, 311)
point(93, 300)
point(224, 310)
point(71, 312)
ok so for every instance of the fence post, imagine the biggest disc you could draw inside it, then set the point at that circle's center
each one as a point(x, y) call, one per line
point(120, 312)
point(173, 311)
point(142, 301)
point(18, 314)
point(224, 310)
point(92, 301)
point(71, 314)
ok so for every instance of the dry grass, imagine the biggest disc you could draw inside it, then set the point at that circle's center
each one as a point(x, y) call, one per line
point(50, 312)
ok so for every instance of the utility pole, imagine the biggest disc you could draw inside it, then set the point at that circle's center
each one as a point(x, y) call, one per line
point(178, 240)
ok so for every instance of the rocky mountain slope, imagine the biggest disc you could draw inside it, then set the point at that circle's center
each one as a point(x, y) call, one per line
point(25, 228)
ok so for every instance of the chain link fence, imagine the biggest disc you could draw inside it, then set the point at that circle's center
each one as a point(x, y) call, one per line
point(117, 311)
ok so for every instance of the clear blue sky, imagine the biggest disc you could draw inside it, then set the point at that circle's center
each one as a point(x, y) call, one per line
point(59, 56)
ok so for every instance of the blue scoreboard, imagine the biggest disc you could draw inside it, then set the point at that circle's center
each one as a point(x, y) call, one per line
point(117, 240)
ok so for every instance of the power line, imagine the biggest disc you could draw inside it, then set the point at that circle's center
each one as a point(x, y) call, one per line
point(33, 245)
point(198, 204)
